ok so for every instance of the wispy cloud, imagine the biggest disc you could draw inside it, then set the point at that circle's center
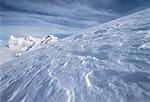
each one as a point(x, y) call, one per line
point(62, 16)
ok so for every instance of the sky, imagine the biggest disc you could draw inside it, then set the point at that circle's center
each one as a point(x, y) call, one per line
point(44, 17)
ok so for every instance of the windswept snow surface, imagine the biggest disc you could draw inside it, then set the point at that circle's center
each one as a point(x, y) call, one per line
point(6, 54)
point(107, 63)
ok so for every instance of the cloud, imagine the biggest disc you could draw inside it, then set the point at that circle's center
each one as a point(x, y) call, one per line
point(38, 6)
point(120, 6)
point(26, 16)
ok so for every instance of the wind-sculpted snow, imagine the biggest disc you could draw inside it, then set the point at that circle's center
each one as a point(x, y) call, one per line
point(107, 63)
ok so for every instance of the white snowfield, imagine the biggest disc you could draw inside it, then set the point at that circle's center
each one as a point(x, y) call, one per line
point(107, 63)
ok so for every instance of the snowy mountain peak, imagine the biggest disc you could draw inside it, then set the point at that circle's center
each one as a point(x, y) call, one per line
point(29, 42)
point(11, 37)
point(30, 38)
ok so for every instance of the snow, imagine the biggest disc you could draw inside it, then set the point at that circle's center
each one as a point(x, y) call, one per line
point(147, 45)
point(6, 54)
point(18, 46)
point(29, 42)
point(87, 79)
point(21, 44)
point(105, 63)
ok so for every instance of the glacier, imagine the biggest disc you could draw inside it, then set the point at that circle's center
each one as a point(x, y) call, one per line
point(106, 63)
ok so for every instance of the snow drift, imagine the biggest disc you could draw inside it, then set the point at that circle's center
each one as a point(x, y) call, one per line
point(107, 63)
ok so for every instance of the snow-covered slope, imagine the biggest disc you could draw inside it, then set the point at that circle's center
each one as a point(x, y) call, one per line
point(6, 54)
point(107, 63)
